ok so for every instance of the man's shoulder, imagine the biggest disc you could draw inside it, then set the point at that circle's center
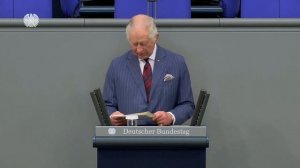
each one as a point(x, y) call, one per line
point(170, 54)
point(123, 57)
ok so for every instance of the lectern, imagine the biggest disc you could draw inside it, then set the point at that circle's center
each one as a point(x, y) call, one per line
point(151, 146)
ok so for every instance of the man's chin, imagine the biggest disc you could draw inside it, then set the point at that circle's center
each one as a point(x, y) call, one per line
point(142, 57)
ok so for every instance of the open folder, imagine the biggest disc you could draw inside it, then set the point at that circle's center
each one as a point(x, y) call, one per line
point(200, 108)
point(100, 107)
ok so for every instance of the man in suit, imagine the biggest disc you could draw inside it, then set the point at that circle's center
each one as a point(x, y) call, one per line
point(148, 78)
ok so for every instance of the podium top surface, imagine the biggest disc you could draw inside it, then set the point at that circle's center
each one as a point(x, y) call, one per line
point(157, 131)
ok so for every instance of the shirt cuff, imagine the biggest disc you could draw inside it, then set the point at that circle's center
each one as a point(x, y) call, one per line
point(173, 118)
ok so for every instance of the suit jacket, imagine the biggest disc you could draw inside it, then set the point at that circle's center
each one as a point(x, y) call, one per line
point(124, 89)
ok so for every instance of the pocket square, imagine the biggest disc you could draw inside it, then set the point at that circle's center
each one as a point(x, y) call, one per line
point(168, 77)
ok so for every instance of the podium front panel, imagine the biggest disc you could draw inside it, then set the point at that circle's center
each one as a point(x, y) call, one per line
point(148, 146)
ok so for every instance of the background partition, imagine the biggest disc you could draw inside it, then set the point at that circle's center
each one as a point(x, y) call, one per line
point(6, 9)
point(19, 8)
point(42, 9)
point(290, 9)
point(270, 9)
point(156, 9)
point(250, 67)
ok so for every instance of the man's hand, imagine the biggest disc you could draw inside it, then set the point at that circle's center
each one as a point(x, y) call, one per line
point(118, 119)
point(162, 118)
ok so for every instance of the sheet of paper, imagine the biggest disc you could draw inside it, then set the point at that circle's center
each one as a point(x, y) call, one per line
point(145, 114)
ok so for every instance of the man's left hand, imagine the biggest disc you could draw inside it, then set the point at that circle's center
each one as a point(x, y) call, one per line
point(162, 118)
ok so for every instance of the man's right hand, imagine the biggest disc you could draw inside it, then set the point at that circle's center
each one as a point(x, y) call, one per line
point(118, 119)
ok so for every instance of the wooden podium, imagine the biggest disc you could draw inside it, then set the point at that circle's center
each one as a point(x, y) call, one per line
point(150, 146)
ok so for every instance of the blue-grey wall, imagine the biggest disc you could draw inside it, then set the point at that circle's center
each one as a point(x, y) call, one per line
point(250, 67)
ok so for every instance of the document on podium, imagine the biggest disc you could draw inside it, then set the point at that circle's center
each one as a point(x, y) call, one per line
point(146, 114)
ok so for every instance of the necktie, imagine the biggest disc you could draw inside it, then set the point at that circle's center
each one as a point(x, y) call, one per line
point(147, 76)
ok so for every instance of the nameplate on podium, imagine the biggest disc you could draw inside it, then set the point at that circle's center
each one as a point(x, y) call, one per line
point(150, 131)
point(185, 136)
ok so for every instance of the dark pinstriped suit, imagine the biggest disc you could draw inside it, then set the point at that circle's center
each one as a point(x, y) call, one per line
point(124, 89)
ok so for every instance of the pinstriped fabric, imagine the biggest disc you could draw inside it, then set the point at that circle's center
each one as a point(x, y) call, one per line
point(124, 88)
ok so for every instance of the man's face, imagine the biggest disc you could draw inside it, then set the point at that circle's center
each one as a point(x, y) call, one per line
point(140, 43)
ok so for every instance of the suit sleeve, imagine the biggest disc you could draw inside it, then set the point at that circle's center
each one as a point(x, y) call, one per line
point(185, 102)
point(109, 91)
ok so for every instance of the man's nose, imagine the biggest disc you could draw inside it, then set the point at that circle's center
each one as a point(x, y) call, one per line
point(139, 48)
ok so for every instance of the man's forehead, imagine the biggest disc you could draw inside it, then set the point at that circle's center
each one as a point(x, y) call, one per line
point(138, 35)
point(139, 39)
point(139, 31)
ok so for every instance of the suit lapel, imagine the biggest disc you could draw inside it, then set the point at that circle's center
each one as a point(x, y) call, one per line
point(134, 67)
point(159, 70)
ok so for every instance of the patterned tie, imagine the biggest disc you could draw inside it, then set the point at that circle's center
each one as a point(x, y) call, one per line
point(147, 76)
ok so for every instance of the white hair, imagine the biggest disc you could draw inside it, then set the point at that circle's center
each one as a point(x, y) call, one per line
point(148, 23)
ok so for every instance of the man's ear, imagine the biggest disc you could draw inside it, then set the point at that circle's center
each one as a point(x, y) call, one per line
point(157, 37)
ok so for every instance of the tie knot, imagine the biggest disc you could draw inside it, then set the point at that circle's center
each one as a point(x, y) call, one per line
point(146, 60)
